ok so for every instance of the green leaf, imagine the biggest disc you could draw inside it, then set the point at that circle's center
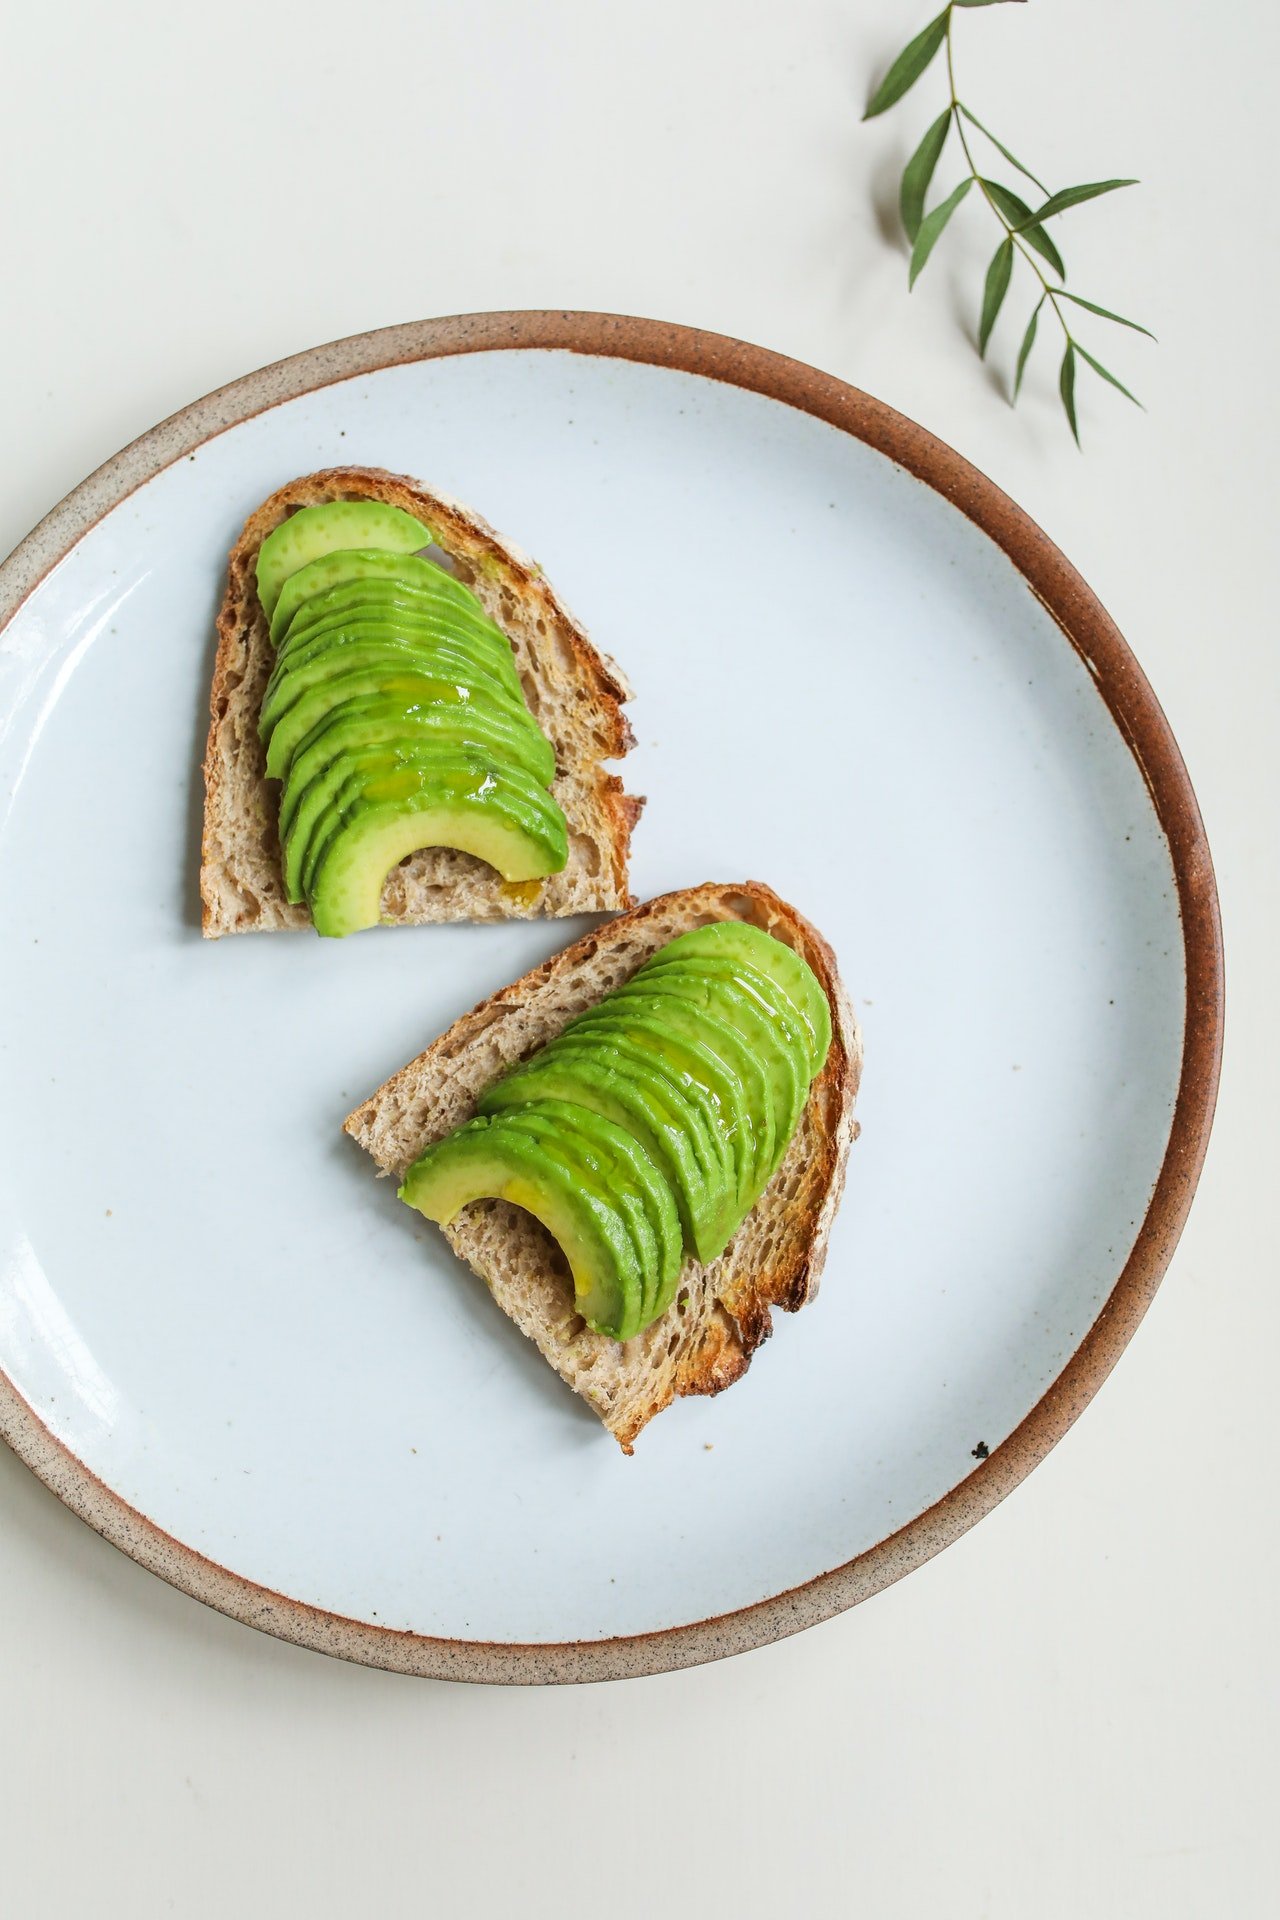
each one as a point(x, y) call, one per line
point(919, 173)
point(1037, 237)
point(1019, 215)
point(993, 293)
point(979, 3)
point(1099, 368)
point(1105, 313)
point(1075, 196)
point(908, 66)
point(1028, 341)
point(931, 227)
point(1067, 388)
point(999, 145)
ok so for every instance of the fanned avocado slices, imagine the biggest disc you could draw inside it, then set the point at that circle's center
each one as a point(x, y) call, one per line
point(664, 1110)
point(346, 566)
point(410, 695)
point(616, 1082)
point(558, 1174)
point(394, 716)
point(359, 819)
point(738, 939)
point(313, 531)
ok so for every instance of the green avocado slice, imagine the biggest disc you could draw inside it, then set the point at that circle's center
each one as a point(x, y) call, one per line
point(620, 1090)
point(409, 692)
point(326, 766)
point(695, 1021)
point(765, 996)
point(411, 619)
point(334, 653)
point(689, 1051)
point(347, 565)
point(695, 1116)
point(383, 721)
point(375, 596)
point(612, 1155)
point(582, 1160)
point(739, 940)
point(382, 815)
point(701, 1075)
point(413, 635)
point(287, 685)
point(486, 1159)
point(377, 775)
point(427, 653)
point(633, 1165)
point(655, 1060)
point(777, 1038)
point(314, 531)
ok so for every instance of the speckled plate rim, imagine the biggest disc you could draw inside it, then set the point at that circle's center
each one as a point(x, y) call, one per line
point(1137, 714)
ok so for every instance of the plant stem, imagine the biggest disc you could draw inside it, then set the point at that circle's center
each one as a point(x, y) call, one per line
point(1050, 293)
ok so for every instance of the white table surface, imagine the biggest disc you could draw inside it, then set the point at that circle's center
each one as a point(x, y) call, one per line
point(1074, 1710)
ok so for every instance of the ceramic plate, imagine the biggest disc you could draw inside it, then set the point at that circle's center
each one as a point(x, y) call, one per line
point(862, 676)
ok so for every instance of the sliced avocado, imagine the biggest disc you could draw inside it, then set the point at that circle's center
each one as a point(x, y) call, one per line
point(411, 633)
point(419, 617)
point(314, 531)
point(411, 692)
point(756, 1120)
point(776, 1037)
point(738, 939)
point(376, 596)
point(630, 1166)
point(403, 645)
point(350, 564)
point(286, 688)
point(775, 1007)
point(386, 721)
point(581, 1158)
point(687, 1047)
point(599, 1078)
point(377, 775)
point(585, 1141)
point(406, 647)
point(486, 1159)
point(657, 1062)
point(698, 1075)
point(346, 895)
point(345, 746)
point(383, 817)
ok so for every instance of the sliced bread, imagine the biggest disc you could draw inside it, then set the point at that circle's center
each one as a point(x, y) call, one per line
point(575, 695)
point(722, 1312)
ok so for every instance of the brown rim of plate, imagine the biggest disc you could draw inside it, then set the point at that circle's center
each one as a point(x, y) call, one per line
point(1137, 714)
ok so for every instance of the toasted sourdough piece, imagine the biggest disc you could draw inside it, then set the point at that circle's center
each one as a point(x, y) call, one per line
point(721, 1312)
point(575, 694)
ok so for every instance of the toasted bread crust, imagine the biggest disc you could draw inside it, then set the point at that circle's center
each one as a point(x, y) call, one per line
point(576, 694)
point(776, 1257)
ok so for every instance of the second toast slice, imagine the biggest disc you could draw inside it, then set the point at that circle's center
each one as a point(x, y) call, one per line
point(722, 1310)
point(574, 694)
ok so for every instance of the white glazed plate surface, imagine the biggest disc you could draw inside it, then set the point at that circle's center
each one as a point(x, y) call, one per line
point(843, 688)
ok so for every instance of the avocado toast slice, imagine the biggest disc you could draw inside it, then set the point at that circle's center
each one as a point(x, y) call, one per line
point(574, 693)
point(721, 1311)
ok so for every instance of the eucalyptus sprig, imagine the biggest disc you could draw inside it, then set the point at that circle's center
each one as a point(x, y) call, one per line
point(1025, 231)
